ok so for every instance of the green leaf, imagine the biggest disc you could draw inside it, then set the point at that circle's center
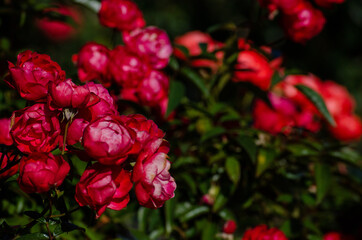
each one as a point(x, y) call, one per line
point(169, 213)
point(214, 132)
point(196, 79)
point(264, 160)
point(318, 101)
point(323, 180)
point(177, 92)
point(34, 236)
point(209, 231)
point(139, 235)
point(220, 201)
point(248, 144)
point(301, 150)
point(276, 78)
point(232, 167)
point(194, 212)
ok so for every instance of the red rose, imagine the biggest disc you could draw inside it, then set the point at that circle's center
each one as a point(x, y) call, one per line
point(153, 88)
point(32, 74)
point(76, 130)
point(348, 127)
point(92, 62)
point(67, 94)
point(332, 236)
point(102, 187)
point(229, 227)
point(153, 182)
point(7, 158)
point(59, 30)
point(152, 44)
point(5, 137)
point(121, 14)
point(262, 232)
point(35, 129)
point(328, 3)
point(254, 68)
point(39, 172)
point(337, 98)
point(145, 130)
point(191, 41)
point(126, 68)
point(304, 22)
point(108, 140)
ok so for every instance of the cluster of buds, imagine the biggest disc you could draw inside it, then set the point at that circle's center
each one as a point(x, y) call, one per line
point(292, 109)
point(121, 150)
point(300, 19)
point(135, 67)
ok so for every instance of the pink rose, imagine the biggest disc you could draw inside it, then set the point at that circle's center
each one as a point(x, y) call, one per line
point(35, 129)
point(229, 227)
point(153, 182)
point(253, 67)
point(121, 14)
point(39, 172)
point(76, 130)
point(67, 94)
point(303, 23)
point(102, 187)
point(145, 130)
point(262, 232)
point(152, 44)
point(5, 137)
point(8, 158)
point(32, 74)
point(126, 68)
point(92, 62)
point(57, 30)
point(108, 140)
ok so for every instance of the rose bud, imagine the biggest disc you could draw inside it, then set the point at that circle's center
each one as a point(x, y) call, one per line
point(5, 137)
point(105, 105)
point(152, 44)
point(32, 74)
point(254, 68)
point(102, 187)
point(57, 30)
point(280, 119)
point(348, 127)
point(39, 172)
point(145, 130)
point(108, 140)
point(328, 3)
point(337, 98)
point(8, 158)
point(262, 232)
point(126, 68)
point(153, 88)
point(208, 199)
point(67, 94)
point(303, 23)
point(35, 129)
point(229, 227)
point(153, 182)
point(92, 62)
point(121, 14)
point(191, 41)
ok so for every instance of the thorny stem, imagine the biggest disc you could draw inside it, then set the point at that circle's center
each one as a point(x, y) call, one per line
point(65, 214)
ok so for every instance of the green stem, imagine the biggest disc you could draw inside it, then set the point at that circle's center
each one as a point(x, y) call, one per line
point(65, 136)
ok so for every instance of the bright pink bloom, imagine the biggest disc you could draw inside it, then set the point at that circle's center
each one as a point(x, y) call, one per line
point(7, 158)
point(153, 182)
point(126, 68)
point(262, 232)
point(253, 67)
point(5, 137)
point(150, 43)
point(153, 88)
point(108, 140)
point(92, 62)
point(102, 187)
point(39, 172)
point(304, 22)
point(32, 74)
point(76, 130)
point(348, 127)
point(121, 14)
point(229, 227)
point(35, 129)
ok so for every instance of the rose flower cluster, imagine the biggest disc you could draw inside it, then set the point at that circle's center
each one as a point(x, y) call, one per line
point(137, 66)
point(300, 19)
point(122, 151)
